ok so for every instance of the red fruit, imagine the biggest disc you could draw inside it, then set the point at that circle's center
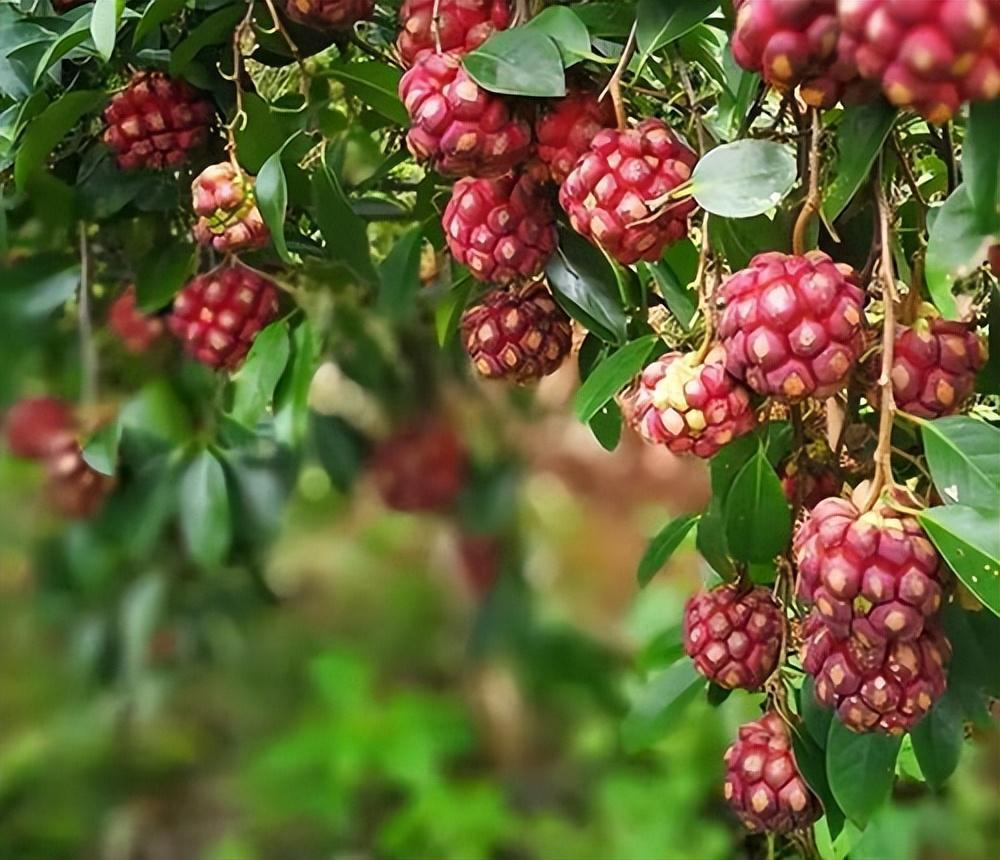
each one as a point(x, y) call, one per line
point(886, 687)
point(37, 425)
point(763, 783)
point(61, 6)
point(329, 14)
point(565, 131)
point(461, 26)
point(228, 217)
point(689, 407)
point(136, 330)
point(419, 468)
point(874, 575)
point(502, 229)
point(155, 122)
point(929, 56)
point(818, 483)
point(994, 259)
point(519, 334)
point(459, 128)
point(74, 488)
point(733, 635)
point(792, 325)
point(218, 314)
point(839, 80)
point(615, 195)
point(934, 366)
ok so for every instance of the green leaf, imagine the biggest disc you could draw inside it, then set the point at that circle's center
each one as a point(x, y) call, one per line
point(969, 540)
point(815, 717)
point(204, 510)
point(519, 62)
point(104, 25)
point(606, 426)
point(860, 768)
point(399, 275)
point(810, 758)
point(663, 650)
point(271, 191)
point(291, 396)
point(345, 234)
point(681, 301)
point(937, 740)
point(75, 36)
point(585, 286)
point(374, 83)
point(217, 27)
point(957, 245)
point(663, 546)
point(710, 540)
point(448, 313)
point(660, 23)
point(741, 239)
point(861, 133)
point(161, 275)
point(659, 703)
point(758, 517)
point(981, 164)
point(48, 128)
point(611, 19)
point(744, 178)
point(256, 379)
point(565, 28)
point(963, 455)
point(101, 450)
point(155, 14)
point(611, 375)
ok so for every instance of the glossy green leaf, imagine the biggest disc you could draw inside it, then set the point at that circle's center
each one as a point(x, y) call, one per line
point(75, 36)
point(981, 164)
point(937, 740)
point(663, 650)
point(682, 302)
point(963, 455)
point(48, 128)
point(610, 19)
point(659, 23)
point(291, 396)
point(448, 313)
point(271, 190)
point(710, 540)
point(861, 768)
point(104, 25)
point(101, 450)
point(519, 62)
point(255, 381)
point(740, 239)
point(564, 27)
point(744, 178)
point(758, 517)
point(810, 757)
point(860, 135)
point(969, 540)
point(663, 546)
point(815, 717)
point(161, 275)
point(606, 426)
point(611, 375)
point(374, 83)
point(585, 286)
point(216, 28)
point(345, 234)
point(155, 13)
point(659, 704)
point(399, 275)
point(204, 510)
point(956, 247)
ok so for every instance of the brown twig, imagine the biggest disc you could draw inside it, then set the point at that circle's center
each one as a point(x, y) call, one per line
point(279, 27)
point(704, 293)
point(812, 201)
point(614, 86)
point(239, 120)
point(883, 450)
point(692, 104)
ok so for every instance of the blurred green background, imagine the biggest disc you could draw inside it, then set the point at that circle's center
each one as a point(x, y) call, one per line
point(358, 695)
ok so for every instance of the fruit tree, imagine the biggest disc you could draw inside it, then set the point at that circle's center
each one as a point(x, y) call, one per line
point(241, 237)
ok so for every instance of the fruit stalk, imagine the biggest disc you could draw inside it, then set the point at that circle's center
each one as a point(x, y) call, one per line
point(614, 87)
point(812, 201)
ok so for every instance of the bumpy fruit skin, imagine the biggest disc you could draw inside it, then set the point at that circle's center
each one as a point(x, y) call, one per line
point(218, 314)
point(519, 334)
point(617, 186)
point(36, 426)
point(222, 197)
point(419, 468)
point(934, 366)
point(74, 488)
point(155, 121)
point(329, 14)
point(692, 408)
point(733, 635)
point(455, 125)
point(136, 330)
point(763, 784)
point(502, 229)
point(928, 55)
point(792, 326)
point(462, 25)
point(875, 575)
point(885, 688)
point(564, 132)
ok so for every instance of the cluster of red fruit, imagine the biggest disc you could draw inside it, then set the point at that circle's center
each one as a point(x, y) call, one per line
point(926, 55)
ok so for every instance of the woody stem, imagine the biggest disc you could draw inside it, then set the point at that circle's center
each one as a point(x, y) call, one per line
point(812, 201)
